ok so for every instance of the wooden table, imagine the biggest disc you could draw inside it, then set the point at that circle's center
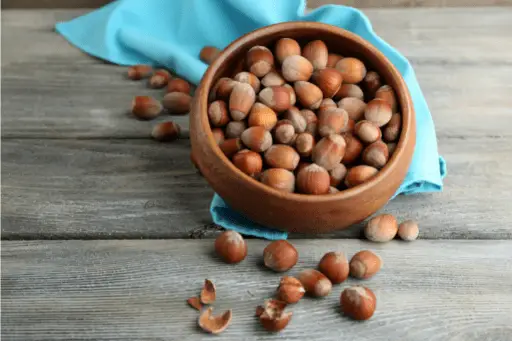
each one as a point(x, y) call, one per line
point(106, 233)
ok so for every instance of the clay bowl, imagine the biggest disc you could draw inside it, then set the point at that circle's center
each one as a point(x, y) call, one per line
point(290, 211)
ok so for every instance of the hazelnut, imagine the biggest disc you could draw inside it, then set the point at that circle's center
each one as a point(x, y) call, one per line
point(214, 324)
point(208, 293)
point(208, 54)
point(284, 132)
point(218, 113)
point(286, 47)
point(195, 303)
point(316, 52)
point(333, 190)
point(166, 131)
point(391, 148)
point(282, 156)
point(378, 111)
point(367, 132)
point(178, 85)
point(392, 130)
point(280, 255)
point(177, 103)
point(248, 78)
point(159, 79)
point(262, 116)
point(279, 179)
point(257, 139)
point(302, 164)
point(332, 121)
point(275, 97)
point(218, 135)
point(235, 129)
point(313, 179)
point(304, 144)
point(337, 174)
point(222, 89)
point(260, 60)
point(359, 174)
point(381, 228)
point(231, 247)
point(295, 117)
point(364, 264)
point(272, 315)
point(137, 72)
point(231, 146)
point(290, 290)
point(241, 100)
point(408, 230)
point(329, 151)
point(334, 265)
point(376, 154)
point(327, 103)
point(315, 283)
point(248, 162)
point(146, 107)
point(308, 94)
point(333, 59)
point(352, 70)
point(354, 107)
point(387, 94)
point(311, 121)
point(372, 83)
point(353, 149)
point(350, 126)
point(349, 90)
point(328, 80)
point(358, 302)
point(293, 97)
point(273, 78)
point(296, 68)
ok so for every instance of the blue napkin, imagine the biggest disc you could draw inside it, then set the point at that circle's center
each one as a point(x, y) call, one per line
point(171, 33)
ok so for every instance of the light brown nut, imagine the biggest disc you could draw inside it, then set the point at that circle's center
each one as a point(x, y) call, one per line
point(178, 85)
point(381, 228)
point(249, 78)
point(358, 302)
point(308, 94)
point(222, 89)
point(337, 174)
point(257, 139)
point(248, 162)
point(208, 293)
point(235, 129)
point(378, 111)
point(359, 174)
point(328, 80)
point(263, 116)
point(311, 121)
point(364, 264)
point(408, 230)
point(272, 315)
point(367, 132)
point(332, 121)
point(260, 60)
point(166, 131)
point(371, 83)
point(159, 79)
point(276, 97)
point(273, 78)
point(286, 47)
point(387, 94)
point(218, 113)
point(376, 154)
point(296, 68)
point(295, 117)
point(349, 90)
point(354, 107)
point(315, 283)
point(352, 70)
point(231, 146)
point(282, 156)
point(316, 52)
point(329, 151)
point(334, 265)
point(177, 103)
point(304, 144)
point(137, 72)
point(214, 324)
point(313, 179)
point(391, 131)
point(231, 247)
point(333, 59)
point(290, 290)
point(146, 107)
point(279, 178)
point(353, 149)
point(241, 100)
point(280, 255)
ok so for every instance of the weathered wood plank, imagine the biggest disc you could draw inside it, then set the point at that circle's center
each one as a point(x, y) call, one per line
point(73, 95)
point(142, 189)
point(136, 290)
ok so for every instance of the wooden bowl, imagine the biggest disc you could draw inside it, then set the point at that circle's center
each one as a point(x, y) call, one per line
point(294, 212)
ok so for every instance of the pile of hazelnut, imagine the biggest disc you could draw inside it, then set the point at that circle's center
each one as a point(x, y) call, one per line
point(301, 119)
point(356, 302)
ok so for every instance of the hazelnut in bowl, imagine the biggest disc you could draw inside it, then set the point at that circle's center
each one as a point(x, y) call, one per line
point(303, 127)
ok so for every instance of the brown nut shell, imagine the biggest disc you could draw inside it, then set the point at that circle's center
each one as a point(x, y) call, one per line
point(315, 283)
point(166, 131)
point(218, 113)
point(146, 107)
point(137, 72)
point(249, 78)
point(328, 80)
point(381, 228)
point(290, 290)
point(376, 154)
point(208, 54)
point(248, 162)
point(257, 139)
point(214, 324)
point(241, 101)
point(272, 315)
point(231, 146)
point(316, 52)
point(349, 90)
point(235, 129)
point(358, 302)
point(337, 174)
point(295, 117)
point(308, 94)
point(261, 115)
point(304, 144)
point(378, 111)
point(391, 131)
point(178, 85)
point(284, 132)
point(260, 60)
point(332, 121)
point(329, 151)
point(286, 47)
point(177, 103)
point(279, 179)
point(280, 256)
point(231, 247)
point(273, 78)
point(282, 156)
point(353, 149)
point(276, 97)
point(359, 174)
point(371, 83)
point(408, 230)
point(313, 179)
point(387, 94)
point(296, 68)
point(364, 264)
point(334, 265)
point(367, 132)
point(352, 70)
point(333, 59)
point(354, 107)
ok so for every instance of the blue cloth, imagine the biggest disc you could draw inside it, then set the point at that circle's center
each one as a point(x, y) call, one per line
point(172, 32)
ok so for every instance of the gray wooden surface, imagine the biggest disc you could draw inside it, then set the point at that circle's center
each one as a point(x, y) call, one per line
point(137, 290)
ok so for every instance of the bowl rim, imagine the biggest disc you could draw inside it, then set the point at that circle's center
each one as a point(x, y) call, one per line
point(405, 101)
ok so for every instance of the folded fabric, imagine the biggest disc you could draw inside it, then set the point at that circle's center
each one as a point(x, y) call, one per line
point(172, 33)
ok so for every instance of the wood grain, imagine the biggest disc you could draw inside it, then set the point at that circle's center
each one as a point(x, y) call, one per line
point(137, 290)
point(142, 189)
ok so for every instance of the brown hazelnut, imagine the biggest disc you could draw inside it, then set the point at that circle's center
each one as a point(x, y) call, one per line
point(329, 151)
point(334, 265)
point(177, 103)
point(284, 132)
point(260, 60)
point(276, 97)
point(304, 144)
point(378, 111)
point(391, 131)
point(137, 72)
point(316, 52)
point(214, 324)
point(241, 100)
point(159, 79)
point(291, 91)
point(248, 162)
point(372, 83)
point(272, 315)
point(218, 135)
point(332, 121)
point(231, 146)
point(333, 59)
point(327, 103)
point(349, 90)
point(337, 174)
point(364, 264)
point(354, 107)
point(282, 156)
point(231, 247)
point(353, 149)
point(352, 70)
point(280, 256)
point(290, 290)
point(308, 94)
point(328, 80)
point(195, 303)
point(222, 89)
point(235, 129)
point(313, 179)
point(146, 107)
point(178, 85)
point(257, 139)
point(408, 230)
point(166, 131)
point(358, 302)
point(296, 68)
point(367, 132)
point(208, 54)
point(359, 174)
point(248, 78)
point(387, 94)
point(381, 228)
point(295, 117)
point(302, 164)
point(273, 78)
point(218, 113)
point(262, 116)
point(315, 283)
point(279, 179)
point(286, 47)
point(376, 154)
point(311, 121)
